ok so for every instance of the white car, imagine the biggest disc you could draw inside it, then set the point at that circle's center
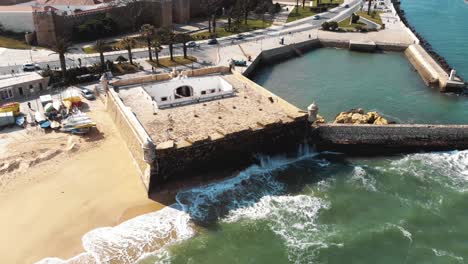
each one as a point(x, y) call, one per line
point(87, 94)
point(316, 17)
point(30, 67)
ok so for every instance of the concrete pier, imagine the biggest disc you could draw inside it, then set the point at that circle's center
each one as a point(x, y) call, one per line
point(369, 46)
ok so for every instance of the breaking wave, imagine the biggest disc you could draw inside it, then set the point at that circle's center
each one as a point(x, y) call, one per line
point(293, 218)
point(451, 166)
point(127, 242)
point(208, 203)
point(361, 177)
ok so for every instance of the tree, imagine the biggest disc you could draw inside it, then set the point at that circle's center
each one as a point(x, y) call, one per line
point(261, 9)
point(369, 7)
point(169, 38)
point(297, 7)
point(183, 38)
point(62, 47)
point(128, 43)
point(157, 47)
point(101, 46)
point(147, 32)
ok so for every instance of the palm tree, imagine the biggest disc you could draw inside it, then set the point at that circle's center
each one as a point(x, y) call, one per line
point(183, 38)
point(101, 46)
point(147, 31)
point(128, 43)
point(157, 48)
point(62, 47)
point(369, 7)
point(169, 38)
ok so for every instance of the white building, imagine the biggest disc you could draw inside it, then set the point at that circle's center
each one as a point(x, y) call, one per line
point(188, 90)
point(14, 87)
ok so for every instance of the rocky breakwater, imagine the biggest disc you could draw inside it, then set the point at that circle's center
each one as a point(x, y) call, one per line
point(359, 116)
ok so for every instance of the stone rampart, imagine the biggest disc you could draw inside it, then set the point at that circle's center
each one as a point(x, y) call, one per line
point(367, 139)
point(132, 132)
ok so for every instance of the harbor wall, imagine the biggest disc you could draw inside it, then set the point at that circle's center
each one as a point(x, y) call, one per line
point(132, 133)
point(285, 52)
point(371, 139)
point(420, 62)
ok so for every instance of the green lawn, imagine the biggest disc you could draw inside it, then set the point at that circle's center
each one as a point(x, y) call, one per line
point(375, 16)
point(303, 12)
point(140, 43)
point(13, 43)
point(252, 24)
point(178, 60)
point(327, 2)
point(345, 24)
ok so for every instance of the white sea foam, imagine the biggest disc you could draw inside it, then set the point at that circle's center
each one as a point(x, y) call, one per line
point(127, 242)
point(442, 253)
point(293, 218)
point(453, 164)
point(360, 176)
point(208, 203)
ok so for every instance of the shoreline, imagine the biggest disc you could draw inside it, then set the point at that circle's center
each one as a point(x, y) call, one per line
point(443, 63)
point(54, 203)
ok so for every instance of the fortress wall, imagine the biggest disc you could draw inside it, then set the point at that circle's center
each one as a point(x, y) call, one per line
point(132, 132)
point(231, 151)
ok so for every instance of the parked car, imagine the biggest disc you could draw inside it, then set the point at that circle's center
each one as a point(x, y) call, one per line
point(87, 94)
point(30, 67)
point(212, 41)
point(239, 37)
point(346, 6)
point(192, 44)
point(316, 17)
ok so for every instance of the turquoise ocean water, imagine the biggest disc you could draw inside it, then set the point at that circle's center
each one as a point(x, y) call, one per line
point(325, 207)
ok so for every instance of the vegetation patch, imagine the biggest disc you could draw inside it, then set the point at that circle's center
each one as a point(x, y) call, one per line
point(178, 61)
point(236, 28)
point(327, 2)
point(303, 13)
point(374, 16)
point(13, 43)
point(346, 24)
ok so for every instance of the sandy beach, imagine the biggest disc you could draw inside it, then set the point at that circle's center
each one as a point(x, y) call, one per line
point(46, 209)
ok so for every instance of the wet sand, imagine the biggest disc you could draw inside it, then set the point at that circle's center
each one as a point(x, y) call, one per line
point(45, 211)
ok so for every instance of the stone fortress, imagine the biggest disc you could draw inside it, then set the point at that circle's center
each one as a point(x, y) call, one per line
point(48, 20)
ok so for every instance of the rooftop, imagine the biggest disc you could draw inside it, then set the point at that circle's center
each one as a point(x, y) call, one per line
point(249, 107)
point(69, 2)
point(10, 80)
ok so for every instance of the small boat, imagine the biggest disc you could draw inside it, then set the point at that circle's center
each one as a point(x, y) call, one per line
point(80, 130)
point(45, 124)
point(39, 117)
point(54, 125)
point(20, 121)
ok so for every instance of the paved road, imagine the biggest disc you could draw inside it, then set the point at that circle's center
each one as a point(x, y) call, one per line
point(205, 51)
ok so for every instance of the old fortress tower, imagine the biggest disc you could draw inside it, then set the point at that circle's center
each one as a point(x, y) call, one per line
point(48, 20)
